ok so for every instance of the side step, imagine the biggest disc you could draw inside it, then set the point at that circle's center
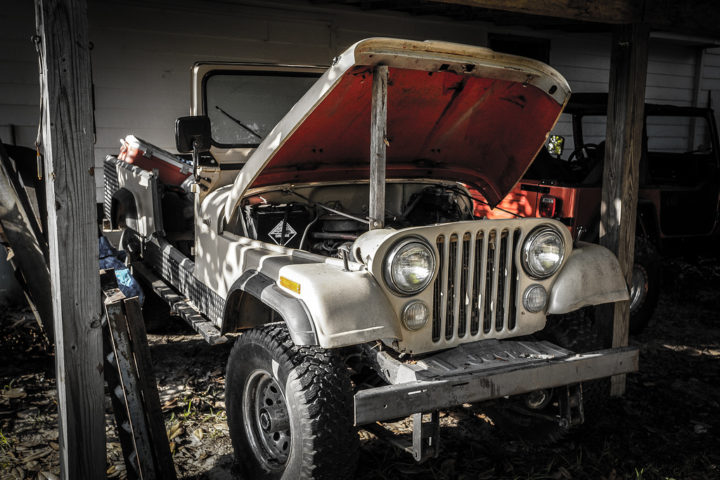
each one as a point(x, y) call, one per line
point(180, 305)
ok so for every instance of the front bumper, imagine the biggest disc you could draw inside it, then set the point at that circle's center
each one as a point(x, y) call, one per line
point(481, 371)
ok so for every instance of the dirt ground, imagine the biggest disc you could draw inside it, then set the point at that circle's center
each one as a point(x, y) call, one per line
point(666, 427)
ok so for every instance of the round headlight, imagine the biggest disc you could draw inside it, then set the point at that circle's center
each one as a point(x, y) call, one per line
point(543, 252)
point(409, 266)
point(415, 315)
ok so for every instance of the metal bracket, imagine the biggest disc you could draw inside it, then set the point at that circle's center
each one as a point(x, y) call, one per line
point(572, 411)
point(424, 441)
point(425, 436)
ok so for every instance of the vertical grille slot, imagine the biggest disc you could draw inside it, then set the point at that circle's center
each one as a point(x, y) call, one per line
point(438, 289)
point(452, 285)
point(501, 274)
point(464, 297)
point(512, 307)
point(474, 294)
point(490, 283)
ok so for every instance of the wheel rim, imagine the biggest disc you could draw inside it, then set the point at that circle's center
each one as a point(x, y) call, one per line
point(266, 420)
point(638, 287)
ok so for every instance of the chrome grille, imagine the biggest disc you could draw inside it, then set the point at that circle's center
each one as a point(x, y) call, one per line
point(475, 289)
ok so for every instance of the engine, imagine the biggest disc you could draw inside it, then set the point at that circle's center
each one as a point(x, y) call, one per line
point(323, 226)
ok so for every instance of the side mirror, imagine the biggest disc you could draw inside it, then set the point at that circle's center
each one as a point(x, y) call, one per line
point(555, 145)
point(192, 133)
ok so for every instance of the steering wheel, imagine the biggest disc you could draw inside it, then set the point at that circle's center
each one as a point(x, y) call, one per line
point(584, 153)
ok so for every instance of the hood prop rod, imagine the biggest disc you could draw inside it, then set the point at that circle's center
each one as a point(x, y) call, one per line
point(378, 144)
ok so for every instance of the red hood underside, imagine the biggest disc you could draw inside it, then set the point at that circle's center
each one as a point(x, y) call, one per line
point(480, 131)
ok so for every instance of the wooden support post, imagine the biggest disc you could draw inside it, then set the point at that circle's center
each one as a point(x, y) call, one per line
point(67, 148)
point(626, 105)
point(378, 139)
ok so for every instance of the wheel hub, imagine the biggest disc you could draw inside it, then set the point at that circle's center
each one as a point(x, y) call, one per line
point(274, 419)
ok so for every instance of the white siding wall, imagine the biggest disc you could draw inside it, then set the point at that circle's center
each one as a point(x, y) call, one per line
point(710, 86)
point(143, 52)
point(585, 61)
point(18, 73)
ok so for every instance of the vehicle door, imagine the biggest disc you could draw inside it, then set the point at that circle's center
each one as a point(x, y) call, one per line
point(681, 150)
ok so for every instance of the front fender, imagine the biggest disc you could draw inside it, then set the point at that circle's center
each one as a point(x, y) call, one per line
point(347, 308)
point(591, 276)
point(292, 310)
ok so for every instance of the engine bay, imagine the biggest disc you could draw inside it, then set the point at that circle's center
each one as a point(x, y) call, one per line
point(323, 219)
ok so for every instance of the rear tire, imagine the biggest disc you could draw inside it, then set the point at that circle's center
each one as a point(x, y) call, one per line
point(289, 408)
point(645, 284)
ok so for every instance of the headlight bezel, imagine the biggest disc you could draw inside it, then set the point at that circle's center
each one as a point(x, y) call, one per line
point(392, 255)
point(527, 244)
point(406, 309)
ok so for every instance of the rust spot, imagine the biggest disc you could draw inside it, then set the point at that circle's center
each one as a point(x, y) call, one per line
point(91, 171)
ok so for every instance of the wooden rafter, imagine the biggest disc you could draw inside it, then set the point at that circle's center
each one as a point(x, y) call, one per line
point(693, 17)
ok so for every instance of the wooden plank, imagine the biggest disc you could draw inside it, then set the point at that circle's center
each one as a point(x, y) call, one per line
point(378, 144)
point(122, 420)
point(165, 469)
point(23, 233)
point(130, 386)
point(67, 146)
point(692, 17)
point(626, 105)
point(109, 288)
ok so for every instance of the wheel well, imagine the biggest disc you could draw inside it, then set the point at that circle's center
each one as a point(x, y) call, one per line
point(254, 299)
point(243, 310)
point(122, 209)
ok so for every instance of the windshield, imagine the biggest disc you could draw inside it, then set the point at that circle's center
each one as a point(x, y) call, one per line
point(244, 106)
point(678, 134)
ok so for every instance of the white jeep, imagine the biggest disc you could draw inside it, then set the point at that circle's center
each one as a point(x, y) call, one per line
point(328, 215)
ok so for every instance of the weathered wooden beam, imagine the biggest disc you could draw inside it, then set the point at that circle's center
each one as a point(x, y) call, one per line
point(623, 148)
point(378, 144)
point(692, 17)
point(67, 148)
point(26, 241)
point(133, 390)
point(607, 11)
point(148, 384)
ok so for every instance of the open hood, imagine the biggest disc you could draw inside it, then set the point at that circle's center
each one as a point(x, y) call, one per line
point(454, 112)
